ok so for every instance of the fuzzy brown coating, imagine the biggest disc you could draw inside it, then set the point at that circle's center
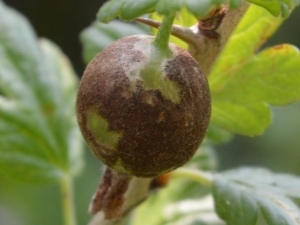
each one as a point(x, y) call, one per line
point(157, 134)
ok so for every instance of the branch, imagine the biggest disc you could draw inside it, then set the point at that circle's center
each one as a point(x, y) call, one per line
point(138, 190)
point(207, 50)
point(206, 39)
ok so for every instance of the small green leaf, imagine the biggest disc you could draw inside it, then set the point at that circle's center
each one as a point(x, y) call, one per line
point(166, 7)
point(131, 9)
point(200, 8)
point(125, 9)
point(243, 83)
point(272, 5)
point(39, 138)
point(246, 196)
point(277, 7)
point(98, 36)
point(235, 3)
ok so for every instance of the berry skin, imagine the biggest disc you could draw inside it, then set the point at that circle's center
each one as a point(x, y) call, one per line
point(142, 111)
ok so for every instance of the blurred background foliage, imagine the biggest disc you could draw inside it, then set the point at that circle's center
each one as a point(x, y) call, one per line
point(62, 21)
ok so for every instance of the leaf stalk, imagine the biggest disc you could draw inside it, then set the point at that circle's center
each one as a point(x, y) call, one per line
point(201, 177)
point(67, 200)
point(164, 32)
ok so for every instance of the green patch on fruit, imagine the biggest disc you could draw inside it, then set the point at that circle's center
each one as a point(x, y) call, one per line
point(99, 128)
point(153, 79)
point(152, 72)
point(119, 166)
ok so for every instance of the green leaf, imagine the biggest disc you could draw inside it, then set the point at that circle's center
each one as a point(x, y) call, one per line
point(131, 9)
point(192, 212)
point(243, 83)
point(125, 9)
point(277, 7)
point(98, 36)
point(246, 196)
point(169, 208)
point(204, 159)
point(272, 5)
point(217, 135)
point(39, 138)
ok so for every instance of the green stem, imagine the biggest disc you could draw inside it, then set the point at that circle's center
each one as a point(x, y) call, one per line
point(196, 175)
point(164, 32)
point(67, 200)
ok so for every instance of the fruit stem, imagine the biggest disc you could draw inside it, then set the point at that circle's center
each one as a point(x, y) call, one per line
point(201, 177)
point(67, 200)
point(164, 32)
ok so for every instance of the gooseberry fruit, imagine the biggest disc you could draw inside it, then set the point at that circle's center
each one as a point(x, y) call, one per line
point(143, 111)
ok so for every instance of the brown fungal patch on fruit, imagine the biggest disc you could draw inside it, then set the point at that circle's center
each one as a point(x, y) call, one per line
point(149, 98)
point(161, 117)
point(161, 110)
